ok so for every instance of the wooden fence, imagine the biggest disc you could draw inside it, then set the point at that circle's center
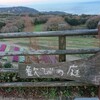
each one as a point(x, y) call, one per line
point(80, 72)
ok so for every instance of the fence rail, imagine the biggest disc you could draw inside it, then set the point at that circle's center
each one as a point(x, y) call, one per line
point(50, 52)
point(49, 33)
point(43, 84)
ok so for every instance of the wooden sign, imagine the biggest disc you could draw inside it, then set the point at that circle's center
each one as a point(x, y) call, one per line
point(84, 70)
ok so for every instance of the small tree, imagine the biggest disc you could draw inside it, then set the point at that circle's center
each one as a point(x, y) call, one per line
point(93, 22)
point(74, 21)
point(2, 24)
point(9, 28)
point(40, 19)
point(7, 65)
point(56, 23)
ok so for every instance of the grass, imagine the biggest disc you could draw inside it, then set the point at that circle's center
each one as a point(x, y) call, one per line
point(81, 42)
point(79, 27)
point(71, 42)
point(38, 28)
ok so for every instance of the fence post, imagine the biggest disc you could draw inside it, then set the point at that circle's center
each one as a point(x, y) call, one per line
point(99, 30)
point(62, 58)
point(99, 46)
point(62, 46)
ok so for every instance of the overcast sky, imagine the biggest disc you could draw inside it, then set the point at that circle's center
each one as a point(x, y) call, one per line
point(30, 2)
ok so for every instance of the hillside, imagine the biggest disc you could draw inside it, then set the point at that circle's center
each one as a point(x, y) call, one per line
point(18, 10)
point(54, 13)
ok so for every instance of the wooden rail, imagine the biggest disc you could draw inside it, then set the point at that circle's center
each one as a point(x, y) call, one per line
point(43, 84)
point(51, 52)
point(49, 33)
point(8, 70)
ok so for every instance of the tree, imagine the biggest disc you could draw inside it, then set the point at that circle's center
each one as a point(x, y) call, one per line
point(92, 22)
point(19, 24)
point(75, 20)
point(9, 28)
point(40, 19)
point(14, 26)
point(2, 24)
point(56, 23)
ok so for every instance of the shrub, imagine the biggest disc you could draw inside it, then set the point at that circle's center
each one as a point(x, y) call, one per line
point(56, 23)
point(2, 24)
point(74, 21)
point(9, 28)
point(92, 22)
point(16, 26)
point(7, 65)
point(20, 25)
point(40, 20)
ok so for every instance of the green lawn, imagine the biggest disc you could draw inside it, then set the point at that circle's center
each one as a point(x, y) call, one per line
point(71, 42)
point(38, 28)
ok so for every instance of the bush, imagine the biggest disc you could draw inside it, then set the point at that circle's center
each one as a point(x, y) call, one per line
point(20, 25)
point(16, 26)
point(7, 65)
point(75, 21)
point(56, 23)
point(9, 28)
point(2, 24)
point(93, 22)
point(72, 21)
point(40, 20)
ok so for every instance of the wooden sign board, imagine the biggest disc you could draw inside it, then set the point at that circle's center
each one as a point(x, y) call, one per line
point(84, 70)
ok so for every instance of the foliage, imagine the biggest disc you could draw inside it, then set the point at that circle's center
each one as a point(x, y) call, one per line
point(93, 22)
point(9, 28)
point(20, 25)
point(40, 20)
point(56, 23)
point(2, 24)
point(7, 65)
point(16, 26)
point(75, 21)
point(4, 15)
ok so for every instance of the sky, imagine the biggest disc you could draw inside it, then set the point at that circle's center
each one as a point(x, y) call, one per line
point(69, 6)
point(30, 2)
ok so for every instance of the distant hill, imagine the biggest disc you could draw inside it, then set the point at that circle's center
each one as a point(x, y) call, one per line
point(27, 10)
point(54, 13)
point(18, 10)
